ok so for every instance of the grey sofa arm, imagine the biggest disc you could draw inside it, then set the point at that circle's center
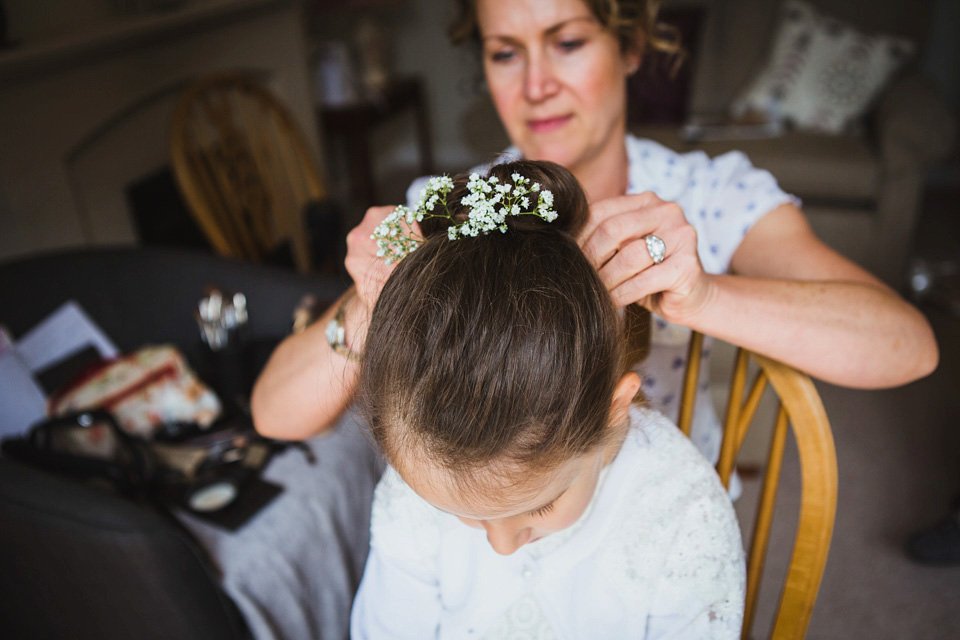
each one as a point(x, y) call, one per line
point(915, 125)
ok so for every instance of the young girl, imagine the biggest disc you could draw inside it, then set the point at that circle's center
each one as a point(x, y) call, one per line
point(526, 496)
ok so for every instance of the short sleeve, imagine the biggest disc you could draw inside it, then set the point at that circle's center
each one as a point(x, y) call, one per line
point(399, 596)
point(733, 195)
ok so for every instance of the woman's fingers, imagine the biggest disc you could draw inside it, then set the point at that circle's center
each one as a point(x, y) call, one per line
point(630, 259)
point(670, 288)
point(614, 232)
point(369, 272)
point(615, 242)
point(611, 207)
point(634, 256)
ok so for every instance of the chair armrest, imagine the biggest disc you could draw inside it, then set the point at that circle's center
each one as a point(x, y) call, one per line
point(915, 125)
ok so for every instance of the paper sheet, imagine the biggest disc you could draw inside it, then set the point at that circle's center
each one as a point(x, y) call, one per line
point(65, 331)
point(61, 334)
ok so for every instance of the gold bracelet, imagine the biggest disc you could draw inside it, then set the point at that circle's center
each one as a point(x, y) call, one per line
point(336, 333)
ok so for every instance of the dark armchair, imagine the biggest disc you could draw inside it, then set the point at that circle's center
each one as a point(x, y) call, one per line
point(78, 563)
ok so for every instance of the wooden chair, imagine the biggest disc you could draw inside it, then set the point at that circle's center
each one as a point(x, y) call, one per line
point(243, 167)
point(800, 407)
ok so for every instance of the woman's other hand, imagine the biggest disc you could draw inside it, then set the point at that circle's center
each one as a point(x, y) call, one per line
point(306, 385)
point(369, 272)
point(614, 240)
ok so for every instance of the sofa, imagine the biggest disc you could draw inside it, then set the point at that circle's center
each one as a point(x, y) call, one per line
point(862, 189)
point(80, 563)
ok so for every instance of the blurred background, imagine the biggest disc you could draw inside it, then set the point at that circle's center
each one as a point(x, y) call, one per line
point(380, 96)
point(864, 131)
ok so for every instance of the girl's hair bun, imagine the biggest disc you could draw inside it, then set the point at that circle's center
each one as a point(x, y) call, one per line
point(570, 203)
point(499, 349)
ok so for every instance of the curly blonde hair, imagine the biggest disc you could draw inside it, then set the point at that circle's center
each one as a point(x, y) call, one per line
point(633, 22)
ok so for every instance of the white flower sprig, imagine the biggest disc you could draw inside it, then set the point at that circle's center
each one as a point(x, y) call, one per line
point(489, 203)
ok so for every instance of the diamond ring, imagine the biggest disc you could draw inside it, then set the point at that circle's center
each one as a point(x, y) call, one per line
point(656, 248)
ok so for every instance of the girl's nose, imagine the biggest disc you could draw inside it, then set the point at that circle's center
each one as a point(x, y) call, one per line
point(504, 538)
point(541, 80)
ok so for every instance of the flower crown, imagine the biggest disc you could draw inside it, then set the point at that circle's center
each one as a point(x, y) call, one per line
point(489, 203)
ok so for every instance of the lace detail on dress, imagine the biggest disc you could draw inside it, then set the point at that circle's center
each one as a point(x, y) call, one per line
point(524, 620)
point(682, 551)
point(397, 507)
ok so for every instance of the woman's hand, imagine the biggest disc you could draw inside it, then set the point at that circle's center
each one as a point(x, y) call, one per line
point(613, 240)
point(305, 385)
point(368, 271)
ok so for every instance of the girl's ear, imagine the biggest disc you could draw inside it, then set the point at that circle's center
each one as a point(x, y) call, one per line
point(623, 395)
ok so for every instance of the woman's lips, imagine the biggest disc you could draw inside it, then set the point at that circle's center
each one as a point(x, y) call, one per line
point(546, 125)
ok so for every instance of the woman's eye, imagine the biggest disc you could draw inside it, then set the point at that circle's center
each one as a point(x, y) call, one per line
point(571, 45)
point(502, 55)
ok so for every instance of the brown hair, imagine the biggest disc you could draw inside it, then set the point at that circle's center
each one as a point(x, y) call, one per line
point(498, 352)
point(629, 20)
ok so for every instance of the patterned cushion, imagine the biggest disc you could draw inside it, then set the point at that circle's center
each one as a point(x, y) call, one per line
point(821, 73)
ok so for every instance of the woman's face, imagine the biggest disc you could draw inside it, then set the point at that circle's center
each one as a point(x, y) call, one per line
point(556, 77)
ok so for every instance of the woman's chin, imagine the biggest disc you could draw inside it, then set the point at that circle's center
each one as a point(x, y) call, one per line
point(558, 153)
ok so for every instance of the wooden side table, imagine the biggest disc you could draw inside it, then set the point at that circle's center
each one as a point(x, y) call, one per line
point(349, 127)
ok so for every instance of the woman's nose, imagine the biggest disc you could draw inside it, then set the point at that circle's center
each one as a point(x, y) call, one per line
point(506, 538)
point(541, 80)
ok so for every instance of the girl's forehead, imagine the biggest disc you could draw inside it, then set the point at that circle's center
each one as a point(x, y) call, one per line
point(491, 495)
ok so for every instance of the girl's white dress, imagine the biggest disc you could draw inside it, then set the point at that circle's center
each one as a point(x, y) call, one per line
point(656, 555)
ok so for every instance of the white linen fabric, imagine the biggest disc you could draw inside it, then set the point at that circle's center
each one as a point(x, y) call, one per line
point(821, 74)
point(722, 198)
point(656, 555)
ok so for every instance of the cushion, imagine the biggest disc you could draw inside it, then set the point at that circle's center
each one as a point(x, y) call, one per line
point(821, 73)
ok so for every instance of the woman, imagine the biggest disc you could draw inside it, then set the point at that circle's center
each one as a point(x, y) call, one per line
point(556, 71)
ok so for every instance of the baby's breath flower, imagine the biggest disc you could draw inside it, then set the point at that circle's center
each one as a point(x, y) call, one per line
point(485, 212)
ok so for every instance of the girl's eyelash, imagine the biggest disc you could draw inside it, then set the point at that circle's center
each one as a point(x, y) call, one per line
point(543, 510)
